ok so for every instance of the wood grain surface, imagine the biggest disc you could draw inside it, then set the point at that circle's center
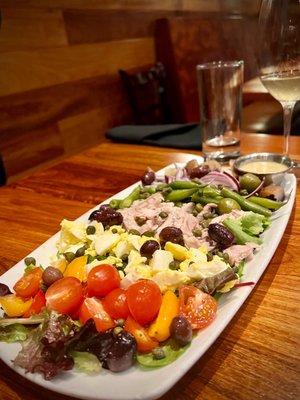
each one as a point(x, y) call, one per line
point(257, 355)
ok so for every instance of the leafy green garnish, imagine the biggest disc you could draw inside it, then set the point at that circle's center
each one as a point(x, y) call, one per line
point(172, 352)
point(240, 270)
point(253, 223)
point(86, 362)
point(13, 333)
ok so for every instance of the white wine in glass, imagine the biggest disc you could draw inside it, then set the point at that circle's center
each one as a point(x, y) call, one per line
point(279, 55)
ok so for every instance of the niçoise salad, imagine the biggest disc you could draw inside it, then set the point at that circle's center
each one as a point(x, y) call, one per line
point(134, 283)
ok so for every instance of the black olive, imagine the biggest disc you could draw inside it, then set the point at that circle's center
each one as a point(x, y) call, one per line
point(199, 172)
point(51, 275)
point(181, 330)
point(148, 248)
point(171, 234)
point(148, 178)
point(107, 216)
point(220, 234)
point(4, 289)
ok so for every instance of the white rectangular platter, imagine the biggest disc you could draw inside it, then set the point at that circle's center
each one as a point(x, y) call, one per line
point(136, 383)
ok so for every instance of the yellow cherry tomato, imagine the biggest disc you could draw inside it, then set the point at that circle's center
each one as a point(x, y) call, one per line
point(14, 306)
point(60, 264)
point(160, 328)
point(76, 268)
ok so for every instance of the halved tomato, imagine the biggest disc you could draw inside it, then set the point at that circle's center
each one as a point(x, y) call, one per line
point(38, 303)
point(29, 284)
point(115, 303)
point(198, 307)
point(144, 299)
point(93, 308)
point(64, 295)
point(144, 342)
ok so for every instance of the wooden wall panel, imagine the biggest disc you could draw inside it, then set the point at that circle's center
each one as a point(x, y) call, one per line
point(59, 60)
point(27, 70)
point(25, 29)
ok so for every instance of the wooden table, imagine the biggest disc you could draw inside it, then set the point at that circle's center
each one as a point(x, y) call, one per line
point(257, 355)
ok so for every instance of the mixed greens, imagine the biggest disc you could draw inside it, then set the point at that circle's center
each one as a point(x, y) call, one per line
point(134, 283)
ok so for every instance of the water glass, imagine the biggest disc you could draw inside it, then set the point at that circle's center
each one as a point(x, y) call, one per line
point(220, 99)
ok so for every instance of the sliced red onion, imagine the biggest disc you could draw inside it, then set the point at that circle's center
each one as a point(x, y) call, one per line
point(257, 189)
point(237, 285)
point(233, 178)
point(220, 178)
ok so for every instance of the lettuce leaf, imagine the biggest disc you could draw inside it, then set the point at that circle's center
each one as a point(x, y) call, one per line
point(85, 362)
point(253, 223)
point(241, 237)
point(13, 333)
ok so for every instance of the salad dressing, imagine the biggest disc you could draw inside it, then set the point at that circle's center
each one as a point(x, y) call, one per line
point(263, 167)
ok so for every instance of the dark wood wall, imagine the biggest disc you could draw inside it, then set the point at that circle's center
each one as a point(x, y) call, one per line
point(59, 86)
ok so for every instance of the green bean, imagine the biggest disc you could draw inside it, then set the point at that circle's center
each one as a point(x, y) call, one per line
point(267, 203)
point(134, 195)
point(183, 185)
point(245, 204)
point(206, 200)
point(115, 203)
point(180, 194)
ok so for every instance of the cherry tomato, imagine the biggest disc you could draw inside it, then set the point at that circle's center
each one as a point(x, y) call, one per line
point(102, 279)
point(144, 300)
point(64, 295)
point(198, 307)
point(115, 303)
point(38, 303)
point(144, 342)
point(93, 308)
point(29, 284)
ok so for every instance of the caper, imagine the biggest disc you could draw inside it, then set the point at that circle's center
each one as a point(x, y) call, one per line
point(249, 182)
point(149, 233)
point(197, 232)
point(226, 257)
point(178, 204)
point(226, 205)
point(207, 215)
point(114, 230)
point(199, 207)
point(163, 214)
point(69, 256)
point(120, 322)
point(90, 259)
point(117, 330)
point(205, 223)
point(174, 265)
point(134, 232)
point(140, 221)
point(124, 257)
point(195, 213)
point(100, 258)
point(209, 256)
point(80, 252)
point(144, 196)
point(158, 353)
point(90, 230)
point(243, 192)
point(30, 261)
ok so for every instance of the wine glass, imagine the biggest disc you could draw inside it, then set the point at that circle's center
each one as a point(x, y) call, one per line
point(279, 55)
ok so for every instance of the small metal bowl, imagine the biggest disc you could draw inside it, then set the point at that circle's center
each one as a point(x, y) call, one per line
point(276, 177)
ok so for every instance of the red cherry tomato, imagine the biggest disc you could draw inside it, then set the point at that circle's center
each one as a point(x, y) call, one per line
point(144, 299)
point(115, 303)
point(29, 284)
point(198, 307)
point(64, 295)
point(37, 304)
point(93, 308)
point(145, 343)
point(102, 279)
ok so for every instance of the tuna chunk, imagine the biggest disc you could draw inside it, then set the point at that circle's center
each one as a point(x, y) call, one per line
point(238, 253)
point(235, 214)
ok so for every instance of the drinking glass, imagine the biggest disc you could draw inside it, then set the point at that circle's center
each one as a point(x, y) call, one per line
point(220, 100)
point(279, 55)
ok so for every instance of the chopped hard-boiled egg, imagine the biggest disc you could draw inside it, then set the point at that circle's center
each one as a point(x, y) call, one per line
point(106, 242)
point(72, 233)
point(160, 260)
point(179, 252)
point(170, 280)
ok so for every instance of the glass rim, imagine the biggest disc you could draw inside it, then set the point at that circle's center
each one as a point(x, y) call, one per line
point(220, 64)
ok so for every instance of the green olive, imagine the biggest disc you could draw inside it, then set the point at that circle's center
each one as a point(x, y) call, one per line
point(226, 205)
point(249, 182)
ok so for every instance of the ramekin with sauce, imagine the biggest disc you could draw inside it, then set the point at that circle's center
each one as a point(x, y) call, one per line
point(271, 166)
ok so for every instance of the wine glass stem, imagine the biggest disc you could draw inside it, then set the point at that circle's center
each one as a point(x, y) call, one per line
point(287, 118)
